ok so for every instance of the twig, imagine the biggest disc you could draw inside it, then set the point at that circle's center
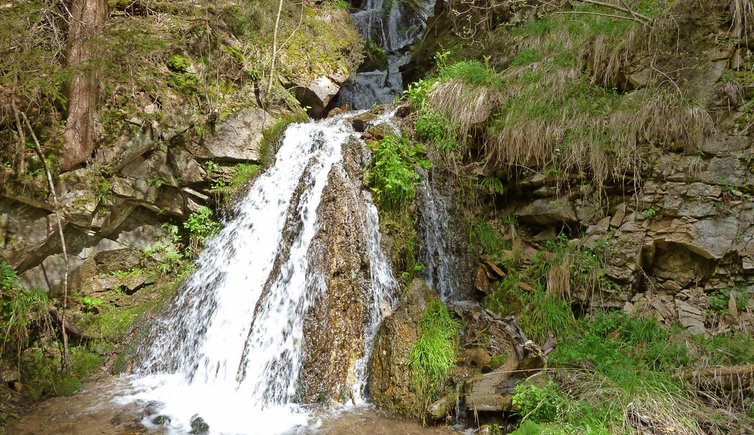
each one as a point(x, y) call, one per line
point(38, 150)
point(599, 14)
point(623, 8)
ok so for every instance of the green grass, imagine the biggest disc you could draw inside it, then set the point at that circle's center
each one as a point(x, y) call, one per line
point(434, 353)
point(472, 72)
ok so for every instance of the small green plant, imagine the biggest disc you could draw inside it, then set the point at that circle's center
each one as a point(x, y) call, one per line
point(719, 299)
point(431, 126)
point(104, 191)
point(491, 185)
point(417, 92)
point(649, 213)
point(155, 181)
point(434, 353)
point(7, 276)
point(376, 55)
point(90, 304)
point(341, 4)
point(178, 64)
point(392, 176)
point(201, 226)
point(211, 167)
point(538, 404)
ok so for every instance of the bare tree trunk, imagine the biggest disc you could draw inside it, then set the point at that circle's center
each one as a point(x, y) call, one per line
point(87, 16)
point(66, 354)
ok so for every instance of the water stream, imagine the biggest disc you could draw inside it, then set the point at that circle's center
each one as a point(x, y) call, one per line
point(230, 348)
point(393, 25)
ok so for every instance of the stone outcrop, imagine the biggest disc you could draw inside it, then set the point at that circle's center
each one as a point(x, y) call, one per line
point(339, 260)
point(389, 371)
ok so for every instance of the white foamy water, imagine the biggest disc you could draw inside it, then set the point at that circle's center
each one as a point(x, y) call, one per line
point(229, 348)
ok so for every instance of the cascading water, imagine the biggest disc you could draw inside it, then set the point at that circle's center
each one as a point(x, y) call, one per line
point(393, 26)
point(231, 347)
point(436, 254)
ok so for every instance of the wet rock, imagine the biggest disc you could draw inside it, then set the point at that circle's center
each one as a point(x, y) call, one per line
point(238, 138)
point(164, 420)
point(442, 407)
point(478, 356)
point(339, 252)
point(198, 426)
point(379, 132)
point(361, 122)
point(390, 374)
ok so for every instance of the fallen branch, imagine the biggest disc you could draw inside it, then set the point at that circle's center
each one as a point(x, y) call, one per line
point(725, 378)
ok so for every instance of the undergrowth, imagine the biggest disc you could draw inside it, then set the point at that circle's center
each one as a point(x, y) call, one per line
point(616, 373)
point(562, 100)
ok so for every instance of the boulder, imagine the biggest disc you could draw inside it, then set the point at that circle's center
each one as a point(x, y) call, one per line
point(186, 169)
point(24, 230)
point(239, 138)
point(317, 94)
point(548, 212)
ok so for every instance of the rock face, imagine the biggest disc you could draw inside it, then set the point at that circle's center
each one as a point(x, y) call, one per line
point(340, 264)
point(240, 137)
point(120, 201)
point(390, 374)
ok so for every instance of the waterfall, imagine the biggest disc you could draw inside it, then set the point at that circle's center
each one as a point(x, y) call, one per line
point(394, 26)
point(436, 254)
point(232, 346)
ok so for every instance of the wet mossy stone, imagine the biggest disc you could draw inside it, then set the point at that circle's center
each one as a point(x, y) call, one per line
point(199, 426)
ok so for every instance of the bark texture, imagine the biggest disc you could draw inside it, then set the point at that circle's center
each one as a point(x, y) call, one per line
point(87, 17)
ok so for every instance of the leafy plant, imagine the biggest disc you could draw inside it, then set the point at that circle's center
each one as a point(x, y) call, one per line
point(178, 63)
point(392, 176)
point(538, 404)
point(433, 127)
point(718, 300)
point(201, 226)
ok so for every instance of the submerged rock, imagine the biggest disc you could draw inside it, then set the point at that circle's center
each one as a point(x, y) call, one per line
point(198, 426)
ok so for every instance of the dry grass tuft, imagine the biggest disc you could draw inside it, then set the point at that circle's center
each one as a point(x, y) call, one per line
point(674, 124)
point(478, 103)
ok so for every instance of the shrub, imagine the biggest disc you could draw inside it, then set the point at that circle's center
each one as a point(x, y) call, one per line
point(433, 127)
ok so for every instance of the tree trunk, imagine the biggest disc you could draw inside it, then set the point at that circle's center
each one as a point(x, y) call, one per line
point(87, 17)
